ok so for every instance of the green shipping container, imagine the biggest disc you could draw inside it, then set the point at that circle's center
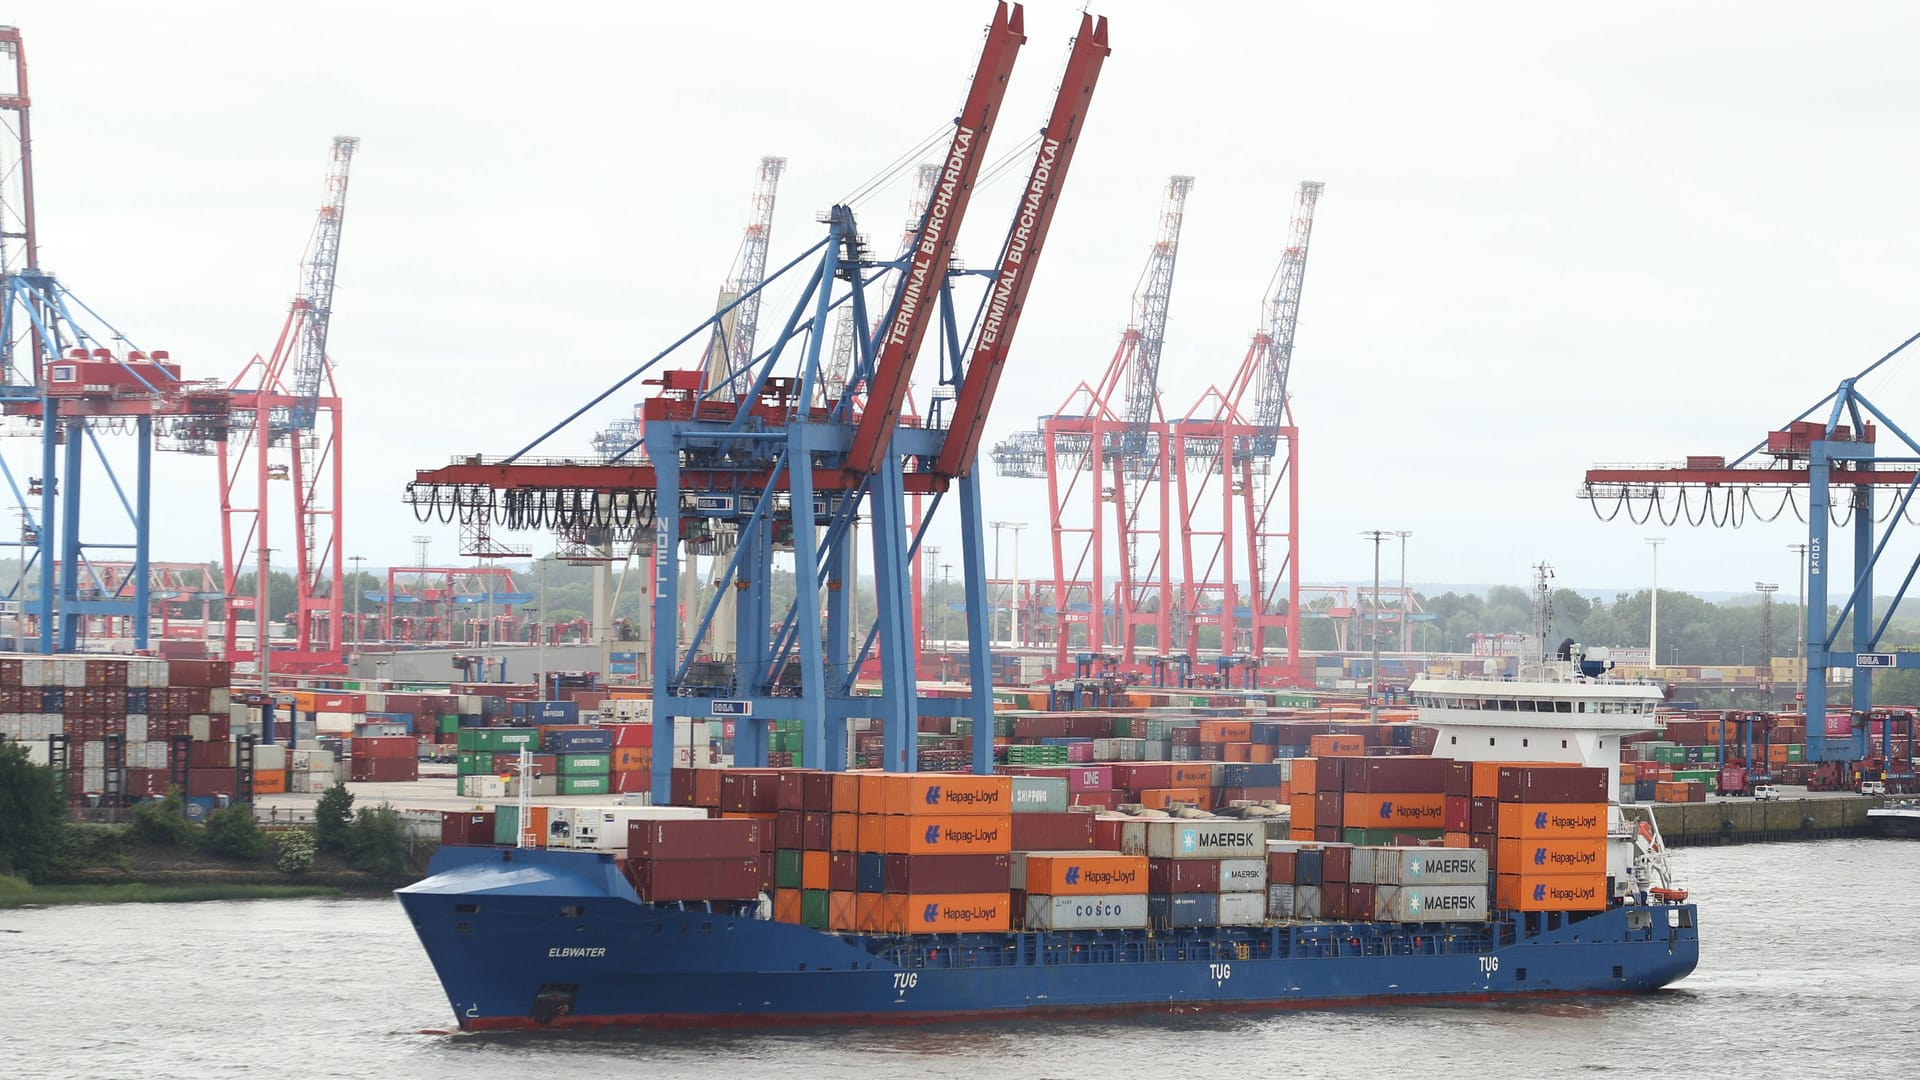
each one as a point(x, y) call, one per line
point(449, 723)
point(813, 908)
point(786, 869)
point(506, 823)
point(1130, 727)
point(1371, 837)
point(1796, 753)
point(594, 764)
point(583, 785)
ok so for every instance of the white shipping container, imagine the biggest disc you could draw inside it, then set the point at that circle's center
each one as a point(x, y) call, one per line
point(336, 723)
point(1243, 875)
point(1133, 837)
point(474, 787)
point(93, 778)
point(1419, 866)
point(199, 728)
point(1430, 903)
point(1086, 912)
point(1243, 908)
point(270, 756)
point(311, 783)
point(136, 727)
point(1306, 901)
point(1279, 901)
point(377, 702)
point(40, 753)
point(73, 673)
point(1205, 838)
point(33, 673)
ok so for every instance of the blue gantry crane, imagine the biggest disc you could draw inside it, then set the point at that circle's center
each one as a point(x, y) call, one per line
point(787, 475)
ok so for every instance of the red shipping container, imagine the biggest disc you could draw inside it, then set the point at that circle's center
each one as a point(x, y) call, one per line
point(1053, 832)
point(750, 791)
point(1459, 814)
point(1283, 867)
point(1327, 834)
point(697, 879)
point(816, 831)
point(1333, 901)
point(509, 764)
point(1329, 807)
point(210, 755)
point(1483, 817)
point(1183, 875)
point(1098, 800)
point(786, 829)
point(466, 827)
point(920, 874)
point(147, 783)
point(682, 839)
point(1394, 774)
point(385, 746)
point(791, 791)
point(1106, 831)
point(1360, 903)
point(1549, 784)
point(210, 782)
point(629, 783)
point(631, 734)
point(1140, 777)
point(1336, 863)
point(816, 792)
point(843, 873)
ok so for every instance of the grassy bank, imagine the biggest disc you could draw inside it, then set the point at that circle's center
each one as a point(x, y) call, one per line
point(15, 893)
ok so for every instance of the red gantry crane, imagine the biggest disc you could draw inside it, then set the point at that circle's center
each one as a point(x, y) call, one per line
point(287, 401)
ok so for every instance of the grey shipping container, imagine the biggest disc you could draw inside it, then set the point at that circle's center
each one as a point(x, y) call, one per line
point(1306, 901)
point(1243, 909)
point(1086, 912)
point(1243, 875)
point(1430, 903)
point(1205, 839)
point(1419, 866)
point(1279, 901)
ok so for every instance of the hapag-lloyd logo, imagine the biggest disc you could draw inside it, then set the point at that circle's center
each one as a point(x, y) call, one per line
point(1389, 811)
point(934, 913)
point(937, 834)
point(1075, 875)
point(963, 797)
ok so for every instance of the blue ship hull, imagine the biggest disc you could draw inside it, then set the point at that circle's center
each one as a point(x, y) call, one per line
point(529, 938)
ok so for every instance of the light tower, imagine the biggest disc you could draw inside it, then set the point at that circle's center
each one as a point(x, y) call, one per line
point(1766, 589)
point(1653, 618)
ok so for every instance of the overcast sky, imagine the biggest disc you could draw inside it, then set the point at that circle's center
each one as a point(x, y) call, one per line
point(1548, 239)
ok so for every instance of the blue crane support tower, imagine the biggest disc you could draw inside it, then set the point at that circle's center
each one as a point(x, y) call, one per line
point(789, 475)
point(69, 371)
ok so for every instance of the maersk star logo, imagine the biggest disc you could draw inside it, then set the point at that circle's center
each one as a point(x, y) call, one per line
point(1073, 875)
point(931, 915)
point(933, 796)
point(1415, 869)
point(1413, 905)
point(933, 834)
point(1189, 839)
point(1540, 820)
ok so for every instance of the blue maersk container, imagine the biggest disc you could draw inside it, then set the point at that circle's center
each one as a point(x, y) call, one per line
point(596, 741)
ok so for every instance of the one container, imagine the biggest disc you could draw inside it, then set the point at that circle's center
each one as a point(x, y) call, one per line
point(1395, 810)
point(1419, 866)
point(1565, 821)
point(1183, 910)
point(1558, 892)
point(922, 874)
point(957, 835)
point(1543, 857)
point(696, 879)
point(1039, 795)
point(1181, 876)
point(1089, 873)
point(1117, 912)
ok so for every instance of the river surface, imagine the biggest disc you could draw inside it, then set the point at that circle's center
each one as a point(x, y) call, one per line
point(1810, 967)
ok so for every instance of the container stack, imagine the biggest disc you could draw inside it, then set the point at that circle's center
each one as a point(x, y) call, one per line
point(1201, 872)
point(1374, 800)
point(134, 726)
point(384, 759)
point(1081, 890)
point(1549, 835)
point(693, 859)
point(583, 759)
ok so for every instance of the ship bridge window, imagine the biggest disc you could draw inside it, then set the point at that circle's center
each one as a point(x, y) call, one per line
point(1563, 744)
point(1523, 743)
point(465, 909)
point(1453, 740)
point(1526, 706)
point(1563, 706)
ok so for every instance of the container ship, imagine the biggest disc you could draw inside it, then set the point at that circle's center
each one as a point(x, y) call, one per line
point(1500, 867)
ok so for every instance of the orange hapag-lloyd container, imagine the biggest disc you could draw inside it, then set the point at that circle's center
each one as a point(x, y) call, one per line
point(843, 831)
point(936, 794)
point(1404, 810)
point(1302, 805)
point(1190, 774)
point(945, 913)
point(1225, 731)
point(842, 912)
point(1551, 892)
point(873, 834)
point(846, 792)
point(1086, 873)
point(948, 835)
point(786, 905)
point(1543, 858)
point(866, 911)
point(1548, 821)
point(814, 869)
point(632, 758)
point(1163, 798)
point(1336, 745)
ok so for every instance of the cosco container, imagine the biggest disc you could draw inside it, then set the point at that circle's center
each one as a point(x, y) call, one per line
point(1121, 912)
point(1430, 903)
point(1204, 839)
point(1243, 875)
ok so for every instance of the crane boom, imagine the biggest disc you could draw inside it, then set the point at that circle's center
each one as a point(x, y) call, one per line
point(730, 354)
point(1022, 252)
point(913, 307)
point(1151, 302)
point(316, 295)
point(834, 382)
point(1283, 314)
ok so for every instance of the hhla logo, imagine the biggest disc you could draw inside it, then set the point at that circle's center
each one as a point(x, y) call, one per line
point(933, 834)
point(933, 795)
point(1073, 875)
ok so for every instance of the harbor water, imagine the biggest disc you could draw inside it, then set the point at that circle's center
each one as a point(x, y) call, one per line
point(1807, 970)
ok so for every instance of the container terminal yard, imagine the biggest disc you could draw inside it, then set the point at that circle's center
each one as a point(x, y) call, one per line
point(1129, 758)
